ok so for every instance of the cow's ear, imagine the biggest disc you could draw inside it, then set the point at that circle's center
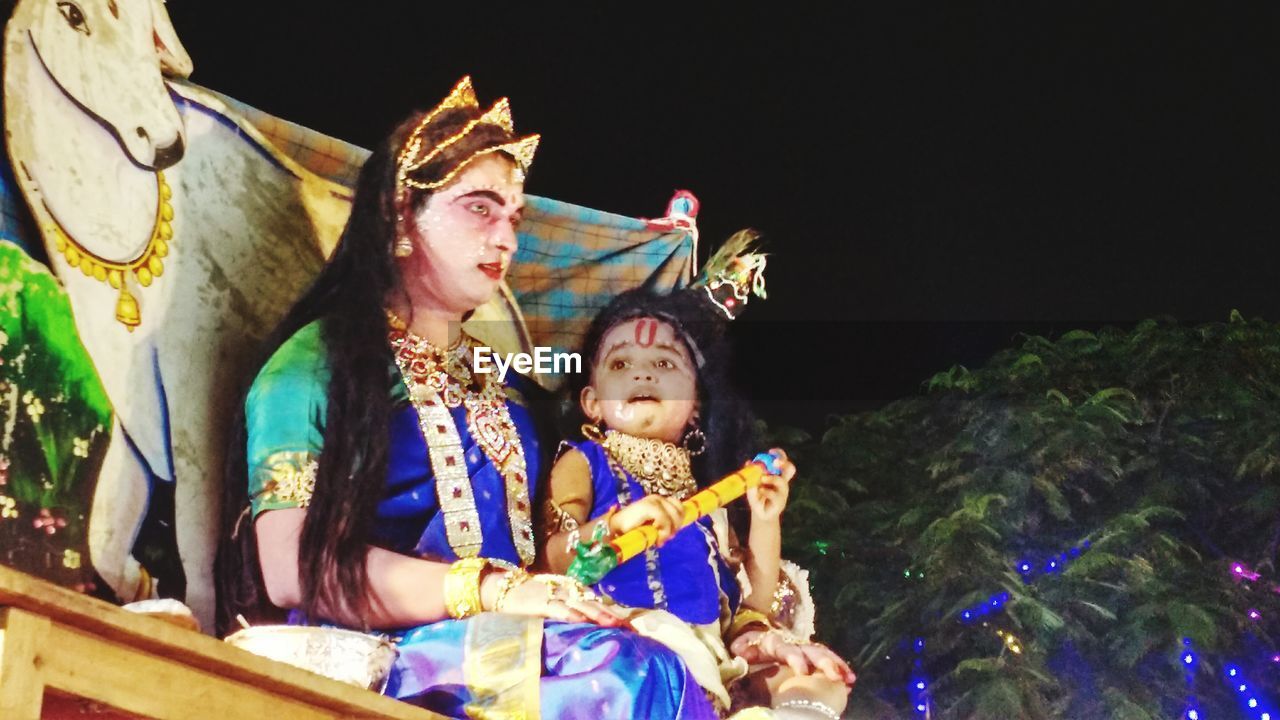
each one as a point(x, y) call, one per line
point(174, 60)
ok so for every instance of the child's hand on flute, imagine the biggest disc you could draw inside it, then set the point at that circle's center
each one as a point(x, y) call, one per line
point(769, 497)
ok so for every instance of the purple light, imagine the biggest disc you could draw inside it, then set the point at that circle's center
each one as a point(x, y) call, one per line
point(1241, 570)
point(1275, 658)
point(1254, 614)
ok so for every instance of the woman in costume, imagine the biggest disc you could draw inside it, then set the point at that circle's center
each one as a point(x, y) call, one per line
point(662, 422)
point(390, 486)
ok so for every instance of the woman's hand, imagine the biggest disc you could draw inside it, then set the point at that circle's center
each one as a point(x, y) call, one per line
point(554, 597)
point(773, 646)
point(769, 497)
point(663, 513)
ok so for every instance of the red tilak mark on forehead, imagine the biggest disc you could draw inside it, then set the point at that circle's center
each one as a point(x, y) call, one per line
point(651, 326)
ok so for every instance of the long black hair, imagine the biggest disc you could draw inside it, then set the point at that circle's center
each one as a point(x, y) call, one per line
point(724, 416)
point(348, 298)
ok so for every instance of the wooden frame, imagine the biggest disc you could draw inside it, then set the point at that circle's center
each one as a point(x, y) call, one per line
point(70, 645)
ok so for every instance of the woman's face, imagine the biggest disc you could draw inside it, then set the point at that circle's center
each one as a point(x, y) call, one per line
point(644, 383)
point(464, 237)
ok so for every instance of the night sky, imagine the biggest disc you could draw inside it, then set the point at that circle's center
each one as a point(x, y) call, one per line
point(932, 178)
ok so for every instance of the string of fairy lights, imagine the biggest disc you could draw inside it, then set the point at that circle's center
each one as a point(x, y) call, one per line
point(1253, 702)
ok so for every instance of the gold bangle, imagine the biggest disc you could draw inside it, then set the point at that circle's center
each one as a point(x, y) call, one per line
point(744, 619)
point(508, 582)
point(462, 587)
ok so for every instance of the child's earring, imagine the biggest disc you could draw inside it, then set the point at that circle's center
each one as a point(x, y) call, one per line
point(592, 431)
point(695, 442)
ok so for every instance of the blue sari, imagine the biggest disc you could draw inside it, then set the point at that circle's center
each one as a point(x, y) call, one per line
point(491, 665)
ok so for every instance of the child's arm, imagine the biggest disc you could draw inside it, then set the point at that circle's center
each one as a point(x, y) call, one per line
point(764, 541)
point(569, 501)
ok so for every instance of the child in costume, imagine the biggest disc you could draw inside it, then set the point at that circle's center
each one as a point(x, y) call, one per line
point(662, 422)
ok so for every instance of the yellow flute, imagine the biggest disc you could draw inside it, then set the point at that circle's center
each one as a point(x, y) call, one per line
point(592, 561)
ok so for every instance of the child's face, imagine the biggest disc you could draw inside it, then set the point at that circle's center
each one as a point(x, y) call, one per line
point(644, 383)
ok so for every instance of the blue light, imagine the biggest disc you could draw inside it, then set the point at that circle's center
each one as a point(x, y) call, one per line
point(919, 644)
point(967, 615)
point(1253, 702)
point(920, 686)
point(921, 708)
point(1243, 687)
point(1232, 670)
point(1189, 658)
point(1193, 715)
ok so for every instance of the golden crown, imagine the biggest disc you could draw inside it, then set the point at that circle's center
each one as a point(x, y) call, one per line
point(418, 151)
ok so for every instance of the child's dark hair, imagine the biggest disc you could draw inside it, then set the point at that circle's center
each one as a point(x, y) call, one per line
point(724, 416)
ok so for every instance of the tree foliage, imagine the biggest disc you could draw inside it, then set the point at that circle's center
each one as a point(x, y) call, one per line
point(1159, 446)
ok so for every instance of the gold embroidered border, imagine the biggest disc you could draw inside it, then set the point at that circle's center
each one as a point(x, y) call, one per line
point(502, 665)
point(286, 477)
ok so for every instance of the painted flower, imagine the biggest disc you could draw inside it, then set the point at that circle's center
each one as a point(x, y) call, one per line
point(80, 447)
point(35, 409)
point(71, 559)
point(8, 507)
point(48, 522)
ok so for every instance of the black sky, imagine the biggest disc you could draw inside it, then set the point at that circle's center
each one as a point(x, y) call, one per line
point(932, 177)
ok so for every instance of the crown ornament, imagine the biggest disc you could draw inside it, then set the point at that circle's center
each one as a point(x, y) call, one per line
point(735, 273)
point(419, 150)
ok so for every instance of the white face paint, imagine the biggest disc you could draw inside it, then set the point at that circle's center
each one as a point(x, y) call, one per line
point(464, 237)
point(644, 382)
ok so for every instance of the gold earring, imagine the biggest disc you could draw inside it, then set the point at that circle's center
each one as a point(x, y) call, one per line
point(592, 431)
point(403, 246)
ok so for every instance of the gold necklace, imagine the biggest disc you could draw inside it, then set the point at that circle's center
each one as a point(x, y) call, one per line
point(145, 267)
point(660, 467)
point(438, 380)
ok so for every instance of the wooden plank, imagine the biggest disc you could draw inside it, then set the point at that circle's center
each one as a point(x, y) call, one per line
point(136, 682)
point(162, 640)
point(21, 679)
